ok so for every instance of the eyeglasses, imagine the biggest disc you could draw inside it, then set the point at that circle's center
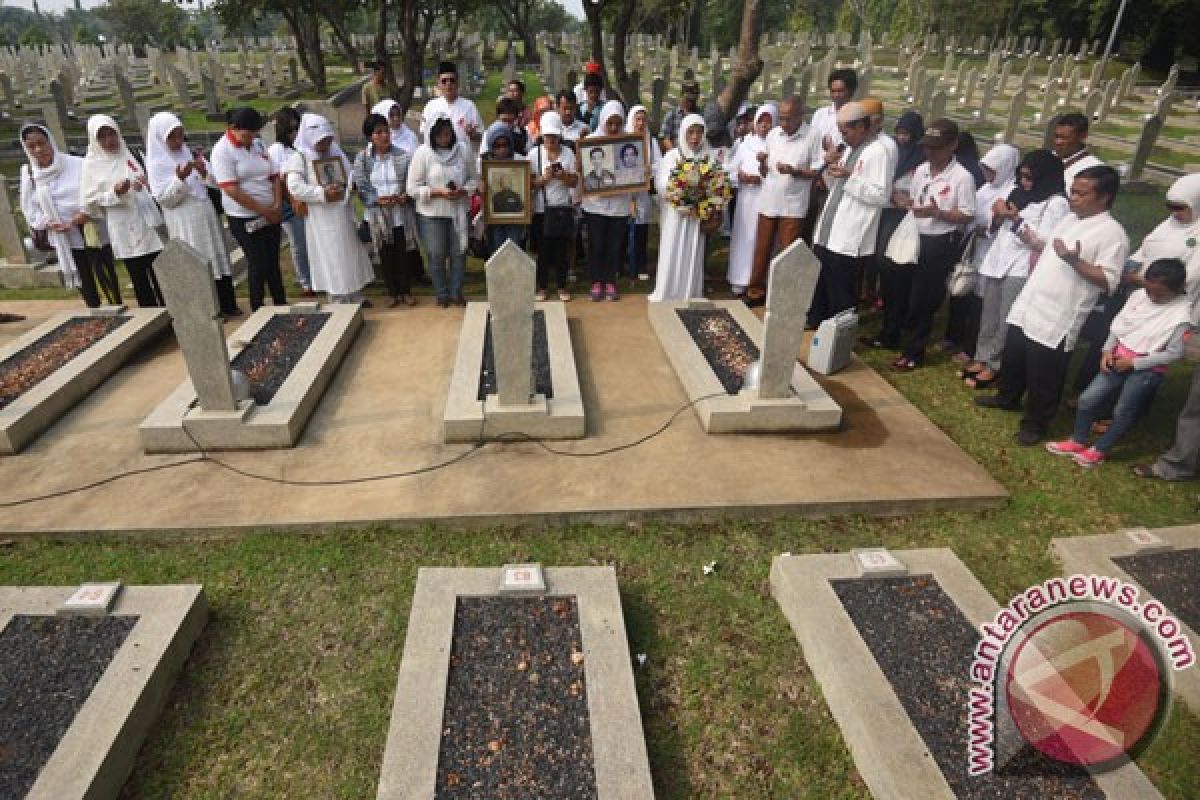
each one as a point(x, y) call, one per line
point(448, 79)
point(1177, 207)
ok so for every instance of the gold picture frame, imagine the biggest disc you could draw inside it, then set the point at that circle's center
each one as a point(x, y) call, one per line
point(614, 164)
point(331, 170)
point(507, 192)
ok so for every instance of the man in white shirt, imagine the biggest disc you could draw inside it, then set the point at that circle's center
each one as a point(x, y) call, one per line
point(842, 85)
point(1088, 250)
point(868, 284)
point(468, 125)
point(942, 202)
point(793, 158)
point(1070, 144)
point(860, 183)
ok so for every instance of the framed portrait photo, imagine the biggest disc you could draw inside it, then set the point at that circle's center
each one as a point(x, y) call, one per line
point(507, 199)
point(614, 164)
point(330, 171)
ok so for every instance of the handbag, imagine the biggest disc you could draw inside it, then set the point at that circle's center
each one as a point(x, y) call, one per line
point(41, 239)
point(962, 278)
point(905, 244)
point(364, 232)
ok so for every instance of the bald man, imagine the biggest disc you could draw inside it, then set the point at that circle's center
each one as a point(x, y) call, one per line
point(793, 159)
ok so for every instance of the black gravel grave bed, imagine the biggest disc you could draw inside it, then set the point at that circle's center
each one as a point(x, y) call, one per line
point(275, 350)
point(48, 666)
point(541, 360)
point(515, 722)
point(32, 364)
point(1172, 577)
point(924, 645)
point(725, 345)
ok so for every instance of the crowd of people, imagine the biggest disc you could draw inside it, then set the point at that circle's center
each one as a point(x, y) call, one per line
point(1025, 245)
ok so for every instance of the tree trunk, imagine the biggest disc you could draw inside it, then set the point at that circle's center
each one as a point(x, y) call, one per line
point(306, 29)
point(627, 86)
point(592, 10)
point(347, 44)
point(695, 24)
point(747, 66)
point(381, 52)
point(415, 28)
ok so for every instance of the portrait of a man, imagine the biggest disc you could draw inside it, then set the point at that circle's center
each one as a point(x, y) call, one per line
point(630, 167)
point(598, 175)
point(504, 199)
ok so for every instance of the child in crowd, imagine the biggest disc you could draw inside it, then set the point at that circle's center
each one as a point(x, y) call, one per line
point(1145, 337)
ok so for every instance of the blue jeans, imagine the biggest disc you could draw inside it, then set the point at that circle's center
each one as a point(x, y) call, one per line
point(294, 228)
point(441, 248)
point(1133, 390)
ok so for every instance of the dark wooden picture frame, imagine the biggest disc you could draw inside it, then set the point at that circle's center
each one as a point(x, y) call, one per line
point(331, 171)
point(611, 174)
point(513, 179)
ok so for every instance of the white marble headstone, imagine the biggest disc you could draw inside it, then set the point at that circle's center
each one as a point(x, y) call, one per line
point(511, 278)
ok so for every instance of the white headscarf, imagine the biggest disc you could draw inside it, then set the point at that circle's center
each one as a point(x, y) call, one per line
point(162, 161)
point(612, 108)
point(688, 123)
point(655, 150)
point(1002, 160)
point(101, 169)
point(314, 128)
point(767, 108)
point(384, 108)
point(1172, 238)
point(43, 177)
point(42, 174)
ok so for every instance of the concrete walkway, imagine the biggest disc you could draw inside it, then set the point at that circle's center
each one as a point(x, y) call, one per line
point(383, 412)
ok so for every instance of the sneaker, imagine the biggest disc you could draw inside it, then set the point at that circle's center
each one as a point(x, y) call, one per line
point(540, 296)
point(1067, 447)
point(597, 292)
point(610, 292)
point(564, 295)
point(1089, 458)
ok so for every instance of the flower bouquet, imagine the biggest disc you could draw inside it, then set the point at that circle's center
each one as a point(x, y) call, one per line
point(699, 188)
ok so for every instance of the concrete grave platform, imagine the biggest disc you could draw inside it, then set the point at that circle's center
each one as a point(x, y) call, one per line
point(619, 757)
point(40, 407)
point(810, 408)
point(96, 754)
point(466, 419)
point(1094, 555)
point(383, 414)
point(888, 751)
point(177, 426)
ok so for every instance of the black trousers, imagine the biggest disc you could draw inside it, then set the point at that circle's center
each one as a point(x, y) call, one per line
point(927, 291)
point(606, 246)
point(97, 272)
point(836, 283)
point(226, 297)
point(145, 283)
point(551, 254)
point(262, 260)
point(1040, 371)
point(962, 324)
point(399, 265)
point(895, 287)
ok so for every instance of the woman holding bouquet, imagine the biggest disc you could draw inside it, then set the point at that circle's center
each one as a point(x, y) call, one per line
point(685, 218)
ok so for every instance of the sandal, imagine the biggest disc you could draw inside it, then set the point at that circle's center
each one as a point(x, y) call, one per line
point(977, 381)
point(1144, 471)
point(903, 364)
point(974, 368)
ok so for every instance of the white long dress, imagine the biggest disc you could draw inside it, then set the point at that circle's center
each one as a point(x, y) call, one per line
point(745, 216)
point(680, 245)
point(193, 220)
point(338, 259)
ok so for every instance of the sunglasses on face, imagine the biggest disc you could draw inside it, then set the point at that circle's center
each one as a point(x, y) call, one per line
point(448, 79)
point(1177, 207)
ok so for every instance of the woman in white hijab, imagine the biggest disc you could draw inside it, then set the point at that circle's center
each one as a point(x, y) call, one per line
point(50, 203)
point(179, 181)
point(1177, 237)
point(681, 242)
point(746, 172)
point(607, 216)
point(338, 259)
point(644, 203)
point(441, 178)
point(403, 137)
point(115, 186)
